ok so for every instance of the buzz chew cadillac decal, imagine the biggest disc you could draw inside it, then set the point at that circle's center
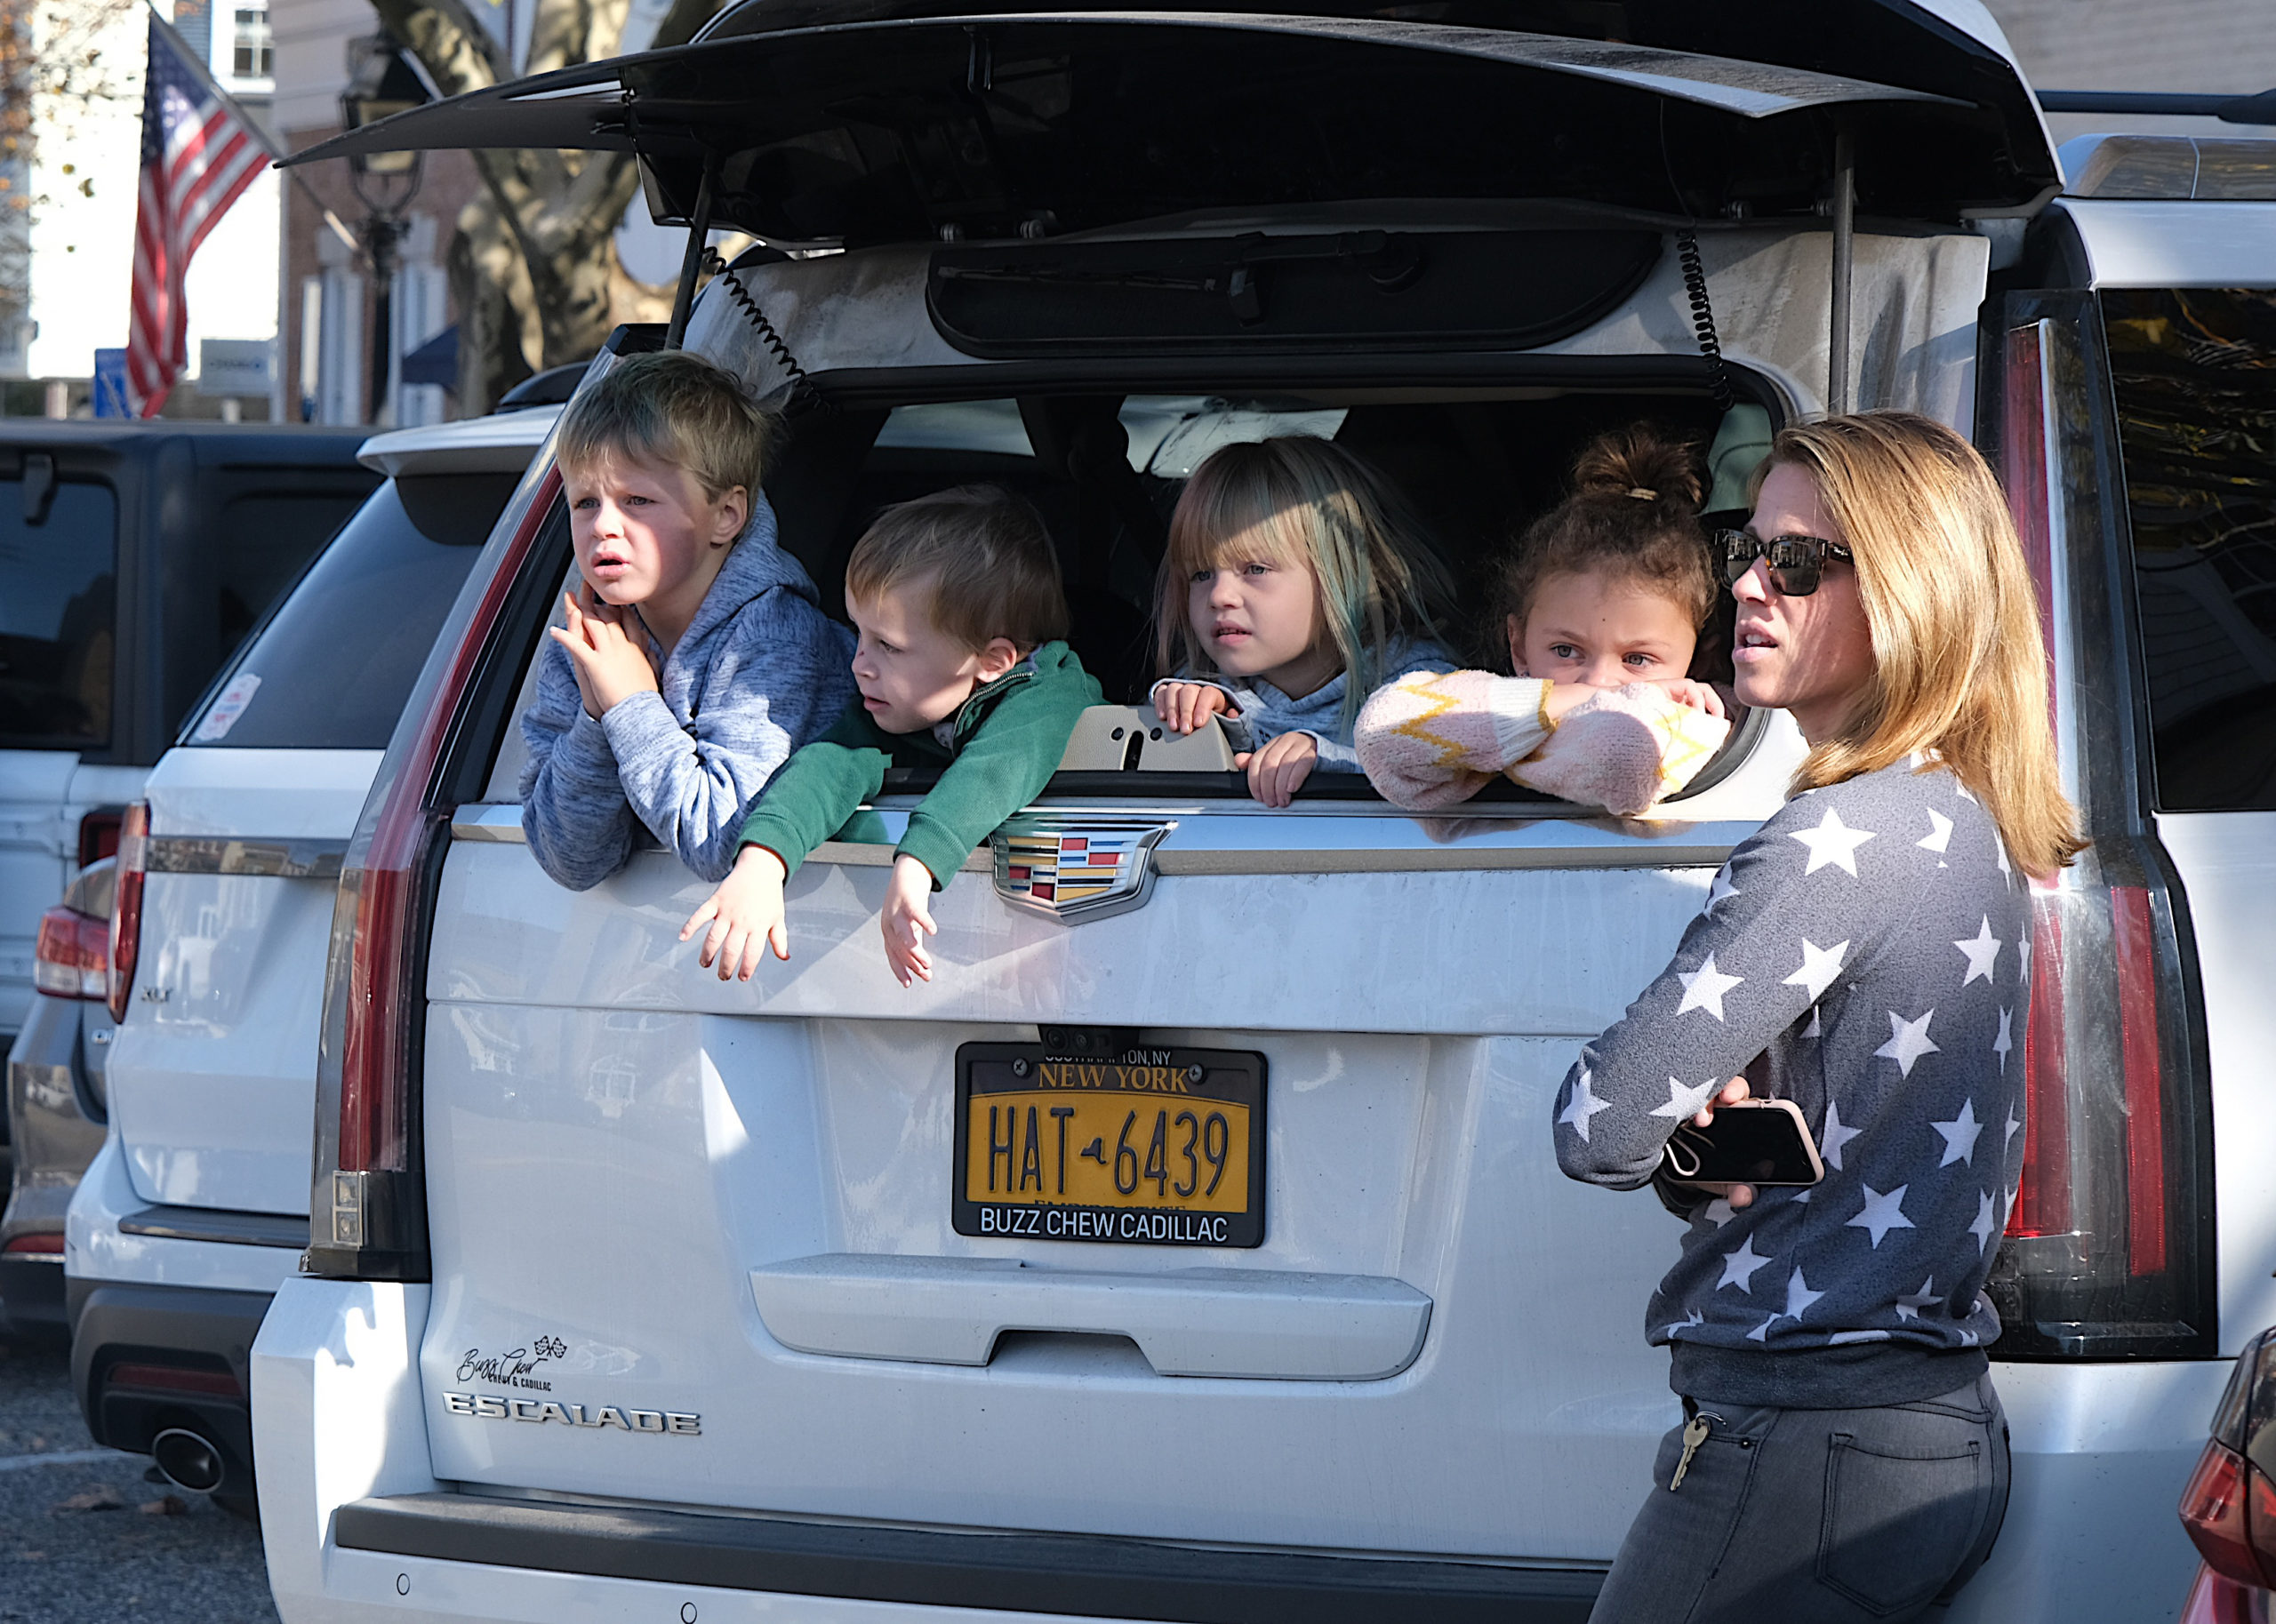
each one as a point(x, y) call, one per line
point(515, 1370)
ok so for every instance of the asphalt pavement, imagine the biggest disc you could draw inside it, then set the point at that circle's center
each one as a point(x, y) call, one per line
point(86, 1539)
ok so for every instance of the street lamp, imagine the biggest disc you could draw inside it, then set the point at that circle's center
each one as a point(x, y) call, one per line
point(381, 81)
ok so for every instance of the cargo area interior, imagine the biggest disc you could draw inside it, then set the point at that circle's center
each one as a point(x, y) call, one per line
point(1104, 468)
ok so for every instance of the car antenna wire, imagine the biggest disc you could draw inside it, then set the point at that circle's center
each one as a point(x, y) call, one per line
point(1694, 285)
point(804, 391)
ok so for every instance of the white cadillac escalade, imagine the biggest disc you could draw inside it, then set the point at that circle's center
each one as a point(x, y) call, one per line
point(634, 1295)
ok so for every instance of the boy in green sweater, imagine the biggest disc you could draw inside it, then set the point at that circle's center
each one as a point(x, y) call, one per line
point(961, 664)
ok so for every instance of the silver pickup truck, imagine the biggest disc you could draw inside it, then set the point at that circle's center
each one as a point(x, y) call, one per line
point(635, 1294)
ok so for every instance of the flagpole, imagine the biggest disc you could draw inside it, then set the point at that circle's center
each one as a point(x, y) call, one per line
point(253, 128)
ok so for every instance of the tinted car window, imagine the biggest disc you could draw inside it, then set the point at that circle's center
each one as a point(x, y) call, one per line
point(332, 669)
point(56, 617)
point(265, 539)
point(2195, 374)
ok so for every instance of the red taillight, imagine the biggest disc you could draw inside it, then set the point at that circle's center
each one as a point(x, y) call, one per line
point(72, 959)
point(42, 1245)
point(2230, 1511)
point(373, 987)
point(2109, 1251)
point(2043, 1198)
point(2213, 1599)
point(127, 904)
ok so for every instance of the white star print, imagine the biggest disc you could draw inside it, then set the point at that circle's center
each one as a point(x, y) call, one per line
point(1908, 1041)
point(1584, 1105)
point(1721, 888)
point(2005, 1041)
point(1835, 1136)
point(1881, 1213)
point(1987, 1221)
point(1739, 1266)
point(2000, 852)
point(1762, 1333)
point(1959, 1135)
point(1840, 1337)
point(1703, 988)
point(1820, 966)
point(2022, 950)
point(1799, 1296)
point(1719, 1212)
point(1815, 1029)
point(1683, 1102)
point(1909, 1306)
point(1983, 953)
point(2015, 1126)
point(1832, 842)
point(1961, 790)
point(1692, 1318)
point(1940, 832)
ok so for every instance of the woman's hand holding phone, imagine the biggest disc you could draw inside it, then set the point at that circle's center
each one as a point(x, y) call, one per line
point(1738, 1194)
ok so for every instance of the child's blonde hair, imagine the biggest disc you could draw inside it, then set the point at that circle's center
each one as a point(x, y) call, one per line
point(1959, 665)
point(987, 556)
point(1633, 515)
point(1299, 502)
point(671, 407)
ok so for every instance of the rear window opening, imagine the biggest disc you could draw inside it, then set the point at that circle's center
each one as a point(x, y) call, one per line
point(1105, 470)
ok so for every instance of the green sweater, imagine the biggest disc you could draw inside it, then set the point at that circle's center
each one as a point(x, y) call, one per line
point(1009, 738)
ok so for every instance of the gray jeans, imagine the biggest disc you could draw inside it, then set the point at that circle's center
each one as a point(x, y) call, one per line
point(1816, 1517)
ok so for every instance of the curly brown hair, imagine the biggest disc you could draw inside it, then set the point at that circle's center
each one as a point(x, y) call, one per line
point(1633, 513)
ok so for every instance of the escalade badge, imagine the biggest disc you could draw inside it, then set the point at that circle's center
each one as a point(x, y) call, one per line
point(1073, 868)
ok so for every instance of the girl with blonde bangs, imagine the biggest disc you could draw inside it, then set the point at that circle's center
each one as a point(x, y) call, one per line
point(1960, 665)
point(1292, 587)
point(1861, 961)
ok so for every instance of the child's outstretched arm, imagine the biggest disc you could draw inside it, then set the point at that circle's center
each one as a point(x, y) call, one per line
point(1001, 768)
point(745, 911)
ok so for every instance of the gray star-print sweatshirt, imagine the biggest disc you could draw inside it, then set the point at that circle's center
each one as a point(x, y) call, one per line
point(1866, 954)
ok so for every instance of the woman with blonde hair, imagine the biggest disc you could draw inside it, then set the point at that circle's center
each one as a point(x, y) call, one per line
point(1864, 956)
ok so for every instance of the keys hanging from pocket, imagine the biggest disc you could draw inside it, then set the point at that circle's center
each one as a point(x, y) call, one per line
point(1695, 1433)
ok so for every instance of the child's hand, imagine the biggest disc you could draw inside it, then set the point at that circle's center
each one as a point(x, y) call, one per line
point(610, 666)
point(746, 910)
point(1184, 707)
point(905, 915)
point(1699, 696)
point(1278, 770)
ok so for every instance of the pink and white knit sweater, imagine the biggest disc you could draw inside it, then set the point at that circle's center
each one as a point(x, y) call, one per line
point(1432, 739)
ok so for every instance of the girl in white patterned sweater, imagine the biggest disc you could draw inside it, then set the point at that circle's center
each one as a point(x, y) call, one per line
point(1602, 604)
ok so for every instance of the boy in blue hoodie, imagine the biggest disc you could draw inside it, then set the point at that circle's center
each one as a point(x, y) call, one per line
point(695, 658)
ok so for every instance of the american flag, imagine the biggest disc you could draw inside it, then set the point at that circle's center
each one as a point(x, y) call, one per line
point(198, 154)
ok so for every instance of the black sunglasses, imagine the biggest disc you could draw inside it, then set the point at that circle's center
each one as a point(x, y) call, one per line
point(1796, 563)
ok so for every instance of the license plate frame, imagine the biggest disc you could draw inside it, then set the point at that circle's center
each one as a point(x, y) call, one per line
point(1172, 1080)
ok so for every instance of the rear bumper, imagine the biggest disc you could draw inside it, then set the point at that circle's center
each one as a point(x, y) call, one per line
point(146, 1359)
point(1057, 1575)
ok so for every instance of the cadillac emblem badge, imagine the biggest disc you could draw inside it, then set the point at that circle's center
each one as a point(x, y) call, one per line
point(1071, 869)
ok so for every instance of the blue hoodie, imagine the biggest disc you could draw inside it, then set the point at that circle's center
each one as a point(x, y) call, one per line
point(761, 672)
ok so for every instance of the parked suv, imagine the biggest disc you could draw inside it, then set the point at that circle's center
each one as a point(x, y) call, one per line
point(197, 1204)
point(138, 556)
point(635, 1293)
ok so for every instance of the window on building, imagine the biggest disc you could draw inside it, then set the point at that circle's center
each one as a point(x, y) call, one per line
point(255, 44)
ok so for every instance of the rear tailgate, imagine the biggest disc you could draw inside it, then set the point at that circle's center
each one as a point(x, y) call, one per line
point(648, 1191)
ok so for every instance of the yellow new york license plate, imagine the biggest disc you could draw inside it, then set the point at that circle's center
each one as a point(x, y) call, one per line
point(1158, 1147)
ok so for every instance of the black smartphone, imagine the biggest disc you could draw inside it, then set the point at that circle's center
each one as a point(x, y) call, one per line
point(1756, 1141)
